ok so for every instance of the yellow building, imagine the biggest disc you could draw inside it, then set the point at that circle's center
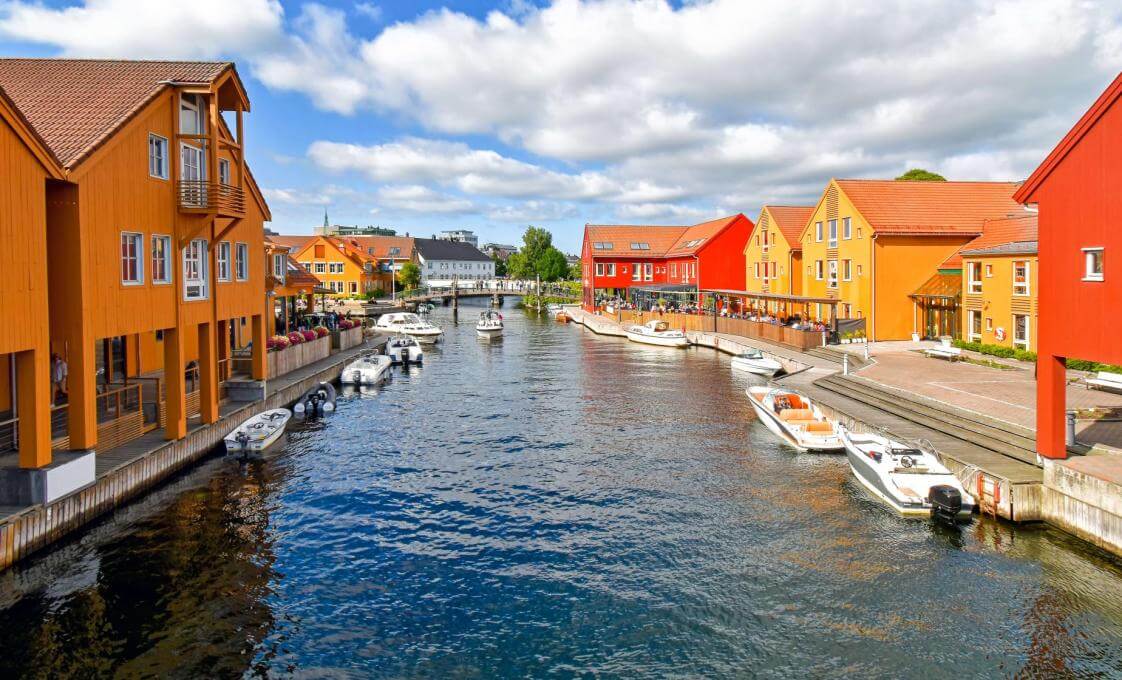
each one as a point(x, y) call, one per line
point(340, 265)
point(773, 254)
point(999, 284)
point(871, 243)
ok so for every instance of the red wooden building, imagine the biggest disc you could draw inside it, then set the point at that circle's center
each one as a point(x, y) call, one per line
point(1077, 191)
point(617, 258)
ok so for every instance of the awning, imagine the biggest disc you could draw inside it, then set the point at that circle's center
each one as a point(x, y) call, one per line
point(778, 297)
point(940, 286)
point(666, 288)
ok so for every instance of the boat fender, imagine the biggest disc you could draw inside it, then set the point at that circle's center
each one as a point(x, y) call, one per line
point(299, 407)
point(328, 407)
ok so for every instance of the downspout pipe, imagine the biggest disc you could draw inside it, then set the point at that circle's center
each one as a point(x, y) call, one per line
point(873, 312)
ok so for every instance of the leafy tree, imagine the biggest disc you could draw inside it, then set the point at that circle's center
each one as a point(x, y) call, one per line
point(409, 276)
point(553, 265)
point(538, 259)
point(920, 175)
point(576, 273)
point(500, 265)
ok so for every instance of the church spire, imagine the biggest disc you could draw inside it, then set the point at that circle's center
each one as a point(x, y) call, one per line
point(325, 223)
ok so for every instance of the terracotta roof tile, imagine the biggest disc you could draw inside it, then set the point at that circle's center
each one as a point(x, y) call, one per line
point(621, 236)
point(899, 207)
point(1005, 232)
point(790, 219)
point(381, 245)
point(696, 236)
point(75, 104)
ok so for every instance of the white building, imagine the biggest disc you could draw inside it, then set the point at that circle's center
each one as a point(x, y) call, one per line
point(442, 262)
point(460, 235)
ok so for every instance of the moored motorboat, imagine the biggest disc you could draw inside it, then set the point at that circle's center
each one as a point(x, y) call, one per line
point(319, 399)
point(913, 482)
point(754, 361)
point(553, 309)
point(795, 419)
point(659, 333)
point(404, 349)
point(489, 324)
point(259, 432)
point(410, 324)
point(371, 369)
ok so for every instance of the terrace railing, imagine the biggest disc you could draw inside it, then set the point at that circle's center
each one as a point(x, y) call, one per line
point(211, 197)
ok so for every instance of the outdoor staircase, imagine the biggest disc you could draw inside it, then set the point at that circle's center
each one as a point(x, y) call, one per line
point(983, 431)
point(833, 354)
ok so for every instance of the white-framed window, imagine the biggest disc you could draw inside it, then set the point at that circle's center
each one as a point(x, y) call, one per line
point(1021, 331)
point(974, 277)
point(1020, 277)
point(191, 119)
point(161, 258)
point(354, 287)
point(757, 270)
point(818, 270)
point(279, 265)
point(773, 266)
point(610, 269)
point(989, 323)
point(1094, 260)
point(648, 272)
point(847, 228)
point(222, 261)
point(818, 232)
point(195, 270)
point(224, 171)
point(157, 156)
point(833, 234)
point(858, 236)
point(241, 264)
point(975, 326)
point(989, 271)
point(832, 274)
point(637, 272)
point(132, 258)
point(847, 270)
point(322, 268)
point(859, 270)
point(599, 269)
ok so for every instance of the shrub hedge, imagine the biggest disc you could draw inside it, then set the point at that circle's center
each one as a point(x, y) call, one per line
point(1024, 355)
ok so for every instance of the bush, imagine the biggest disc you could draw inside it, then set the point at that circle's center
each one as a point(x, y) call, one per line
point(309, 335)
point(992, 350)
point(347, 324)
point(1092, 366)
point(295, 338)
point(1024, 355)
point(321, 331)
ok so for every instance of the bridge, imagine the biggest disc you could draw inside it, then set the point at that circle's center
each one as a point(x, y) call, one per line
point(496, 290)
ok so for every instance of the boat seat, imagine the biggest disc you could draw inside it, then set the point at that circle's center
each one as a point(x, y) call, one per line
point(796, 402)
point(793, 414)
point(819, 426)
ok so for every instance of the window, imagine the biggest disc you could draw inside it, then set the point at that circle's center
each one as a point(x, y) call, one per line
point(975, 324)
point(161, 259)
point(157, 156)
point(833, 234)
point(224, 171)
point(195, 270)
point(847, 228)
point(132, 258)
point(637, 272)
point(605, 245)
point(222, 261)
point(320, 251)
point(322, 268)
point(818, 270)
point(757, 270)
point(610, 269)
point(766, 242)
point(974, 276)
point(1021, 331)
point(832, 271)
point(859, 270)
point(858, 232)
point(773, 265)
point(847, 270)
point(191, 115)
point(818, 232)
point(989, 271)
point(674, 269)
point(599, 269)
point(241, 253)
point(279, 262)
point(1093, 259)
point(648, 272)
point(989, 323)
point(640, 246)
point(1020, 277)
point(354, 287)
point(757, 239)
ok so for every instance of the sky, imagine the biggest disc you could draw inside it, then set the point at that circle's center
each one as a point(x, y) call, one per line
point(427, 115)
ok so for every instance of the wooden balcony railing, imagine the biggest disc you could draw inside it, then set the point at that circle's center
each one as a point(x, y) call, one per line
point(203, 196)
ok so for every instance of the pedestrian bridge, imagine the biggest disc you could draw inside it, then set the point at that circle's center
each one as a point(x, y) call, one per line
point(490, 289)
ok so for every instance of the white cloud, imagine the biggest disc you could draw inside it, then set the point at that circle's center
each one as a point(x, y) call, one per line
point(533, 211)
point(667, 213)
point(420, 199)
point(369, 10)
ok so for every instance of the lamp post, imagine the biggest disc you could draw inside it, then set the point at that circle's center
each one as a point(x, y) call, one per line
point(393, 281)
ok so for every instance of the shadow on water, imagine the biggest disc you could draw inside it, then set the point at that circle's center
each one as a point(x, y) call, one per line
point(554, 503)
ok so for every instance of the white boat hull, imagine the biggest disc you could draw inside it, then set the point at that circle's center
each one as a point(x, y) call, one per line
point(765, 367)
point(489, 331)
point(803, 441)
point(259, 432)
point(366, 373)
point(657, 341)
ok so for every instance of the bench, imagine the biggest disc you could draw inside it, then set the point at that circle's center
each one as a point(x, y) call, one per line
point(942, 352)
point(1105, 380)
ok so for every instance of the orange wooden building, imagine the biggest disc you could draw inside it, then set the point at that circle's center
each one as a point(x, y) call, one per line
point(351, 265)
point(153, 231)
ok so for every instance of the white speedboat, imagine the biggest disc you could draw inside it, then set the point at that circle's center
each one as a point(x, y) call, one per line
point(754, 361)
point(657, 333)
point(911, 481)
point(489, 324)
point(404, 349)
point(367, 370)
point(259, 432)
point(410, 324)
point(553, 309)
point(795, 420)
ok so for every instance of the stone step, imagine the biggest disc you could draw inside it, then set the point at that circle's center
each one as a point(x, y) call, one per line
point(856, 360)
point(1004, 438)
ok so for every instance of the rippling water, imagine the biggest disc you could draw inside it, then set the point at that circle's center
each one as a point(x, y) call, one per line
point(560, 504)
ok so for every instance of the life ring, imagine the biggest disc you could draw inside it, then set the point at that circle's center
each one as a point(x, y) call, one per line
point(999, 333)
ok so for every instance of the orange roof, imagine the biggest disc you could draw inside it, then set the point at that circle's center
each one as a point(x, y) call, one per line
point(381, 245)
point(898, 207)
point(293, 242)
point(790, 220)
point(1009, 233)
point(623, 236)
point(76, 104)
point(696, 236)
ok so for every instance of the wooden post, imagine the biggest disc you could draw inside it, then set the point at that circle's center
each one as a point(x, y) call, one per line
point(33, 404)
point(176, 401)
point(208, 374)
point(223, 349)
point(82, 388)
point(258, 363)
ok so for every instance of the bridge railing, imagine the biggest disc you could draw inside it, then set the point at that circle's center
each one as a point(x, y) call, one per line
point(488, 287)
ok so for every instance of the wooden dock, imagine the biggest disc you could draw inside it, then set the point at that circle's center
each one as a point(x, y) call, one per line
point(127, 471)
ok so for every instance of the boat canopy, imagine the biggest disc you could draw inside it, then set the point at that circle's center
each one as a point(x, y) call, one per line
point(658, 326)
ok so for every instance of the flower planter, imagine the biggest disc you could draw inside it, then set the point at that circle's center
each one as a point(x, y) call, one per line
point(347, 338)
point(297, 356)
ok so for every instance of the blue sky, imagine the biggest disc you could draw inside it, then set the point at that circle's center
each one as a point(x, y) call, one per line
point(429, 115)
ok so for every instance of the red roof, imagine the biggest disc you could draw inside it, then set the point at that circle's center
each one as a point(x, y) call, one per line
point(899, 207)
point(695, 237)
point(660, 241)
point(76, 104)
point(381, 245)
point(1101, 106)
point(790, 220)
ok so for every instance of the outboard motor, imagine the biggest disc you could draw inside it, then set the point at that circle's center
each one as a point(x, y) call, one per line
point(242, 438)
point(946, 502)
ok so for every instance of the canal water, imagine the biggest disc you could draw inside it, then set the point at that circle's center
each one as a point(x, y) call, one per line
point(551, 504)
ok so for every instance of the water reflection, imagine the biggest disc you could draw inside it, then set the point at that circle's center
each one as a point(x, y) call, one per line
point(554, 504)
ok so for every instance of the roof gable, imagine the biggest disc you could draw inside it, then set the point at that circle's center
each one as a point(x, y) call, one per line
point(440, 249)
point(1008, 234)
point(929, 208)
point(789, 220)
point(10, 114)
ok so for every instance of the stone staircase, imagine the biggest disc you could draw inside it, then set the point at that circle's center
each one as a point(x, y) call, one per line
point(989, 433)
point(834, 354)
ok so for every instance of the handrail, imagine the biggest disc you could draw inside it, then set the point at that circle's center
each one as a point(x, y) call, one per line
point(211, 196)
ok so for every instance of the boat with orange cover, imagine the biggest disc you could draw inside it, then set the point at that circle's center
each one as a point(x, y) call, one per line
point(795, 419)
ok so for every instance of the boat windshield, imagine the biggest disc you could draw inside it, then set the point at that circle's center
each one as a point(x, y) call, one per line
point(659, 326)
point(752, 354)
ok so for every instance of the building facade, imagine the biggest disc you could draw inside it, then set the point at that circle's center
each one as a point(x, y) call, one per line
point(773, 254)
point(460, 236)
point(442, 262)
point(1000, 283)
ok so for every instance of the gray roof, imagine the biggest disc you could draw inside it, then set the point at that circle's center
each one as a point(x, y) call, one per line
point(1014, 248)
point(439, 249)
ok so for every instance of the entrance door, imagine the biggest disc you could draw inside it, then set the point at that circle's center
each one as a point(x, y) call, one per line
point(941, 320)
point(192, 172)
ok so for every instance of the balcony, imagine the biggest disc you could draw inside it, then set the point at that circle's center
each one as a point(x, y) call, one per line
point(200, 196)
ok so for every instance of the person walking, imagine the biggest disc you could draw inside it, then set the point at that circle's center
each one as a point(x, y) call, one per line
point(59, 372)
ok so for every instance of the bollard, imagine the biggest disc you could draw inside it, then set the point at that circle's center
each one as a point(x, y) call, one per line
point(845, 363)
point(1070, 428)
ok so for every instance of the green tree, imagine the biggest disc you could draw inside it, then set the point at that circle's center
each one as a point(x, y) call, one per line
point(409, 276)
point(538, 259)
point(500, 265)
point(575, 271)
point(920, 175)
